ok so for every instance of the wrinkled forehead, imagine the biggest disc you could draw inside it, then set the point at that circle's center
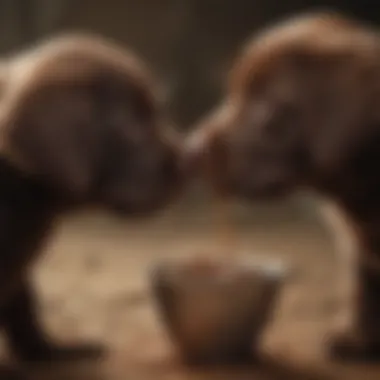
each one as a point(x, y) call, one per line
point(319, 37)
point(79, 60)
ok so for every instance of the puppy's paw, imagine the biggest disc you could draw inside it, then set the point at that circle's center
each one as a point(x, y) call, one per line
point(349, 347)
point(69, 353)
point(9, 373)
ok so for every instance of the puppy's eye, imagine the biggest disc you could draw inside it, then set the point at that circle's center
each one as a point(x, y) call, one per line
point(281, 123)
point(128, 123)
point(135, 132)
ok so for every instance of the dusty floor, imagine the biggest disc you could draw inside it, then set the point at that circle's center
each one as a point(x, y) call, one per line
point(93, 285)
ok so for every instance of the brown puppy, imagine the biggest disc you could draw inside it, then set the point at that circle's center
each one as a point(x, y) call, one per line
point(303, 112)
point(79, 125)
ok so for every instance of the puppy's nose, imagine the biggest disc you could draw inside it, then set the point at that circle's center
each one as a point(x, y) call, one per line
point(205, 154)
point(196, 151)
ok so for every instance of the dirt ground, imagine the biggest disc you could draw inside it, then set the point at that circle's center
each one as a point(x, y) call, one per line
point(94, 286)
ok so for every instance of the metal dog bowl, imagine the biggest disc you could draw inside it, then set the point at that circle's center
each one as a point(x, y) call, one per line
point(215, 312)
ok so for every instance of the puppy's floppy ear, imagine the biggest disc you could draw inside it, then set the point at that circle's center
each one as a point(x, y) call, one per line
point(339, 139)
point(51, 132)
point(350, 121)
point(339, 96)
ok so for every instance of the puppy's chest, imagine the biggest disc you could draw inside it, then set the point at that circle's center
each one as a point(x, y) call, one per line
point(355, 240)
point(342, 230)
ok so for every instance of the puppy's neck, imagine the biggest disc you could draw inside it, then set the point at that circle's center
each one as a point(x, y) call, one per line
point(357, 238)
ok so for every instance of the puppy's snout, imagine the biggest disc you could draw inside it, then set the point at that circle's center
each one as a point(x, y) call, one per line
point(171, 166)
point(207, 147)
point(206, 155)
point(217, 158)
point(196, 151)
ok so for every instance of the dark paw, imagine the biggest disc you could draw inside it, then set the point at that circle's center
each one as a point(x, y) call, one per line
point(82, 352)
point(8, 373)
point(349, 347)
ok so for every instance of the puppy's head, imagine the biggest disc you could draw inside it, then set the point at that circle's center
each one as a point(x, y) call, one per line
point(302, 103)
point(81, 116)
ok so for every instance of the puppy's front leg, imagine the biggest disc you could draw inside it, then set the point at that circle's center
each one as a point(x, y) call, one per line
point(362, 341)
point(359, 281)
point(26, 336)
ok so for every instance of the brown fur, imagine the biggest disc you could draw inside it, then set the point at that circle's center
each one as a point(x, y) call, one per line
point(303, 112)
point(80, 125)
